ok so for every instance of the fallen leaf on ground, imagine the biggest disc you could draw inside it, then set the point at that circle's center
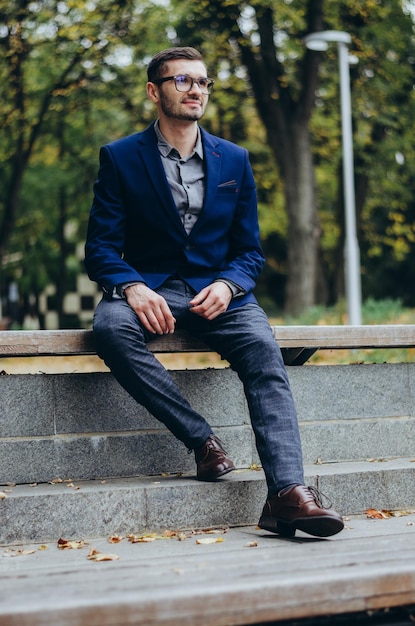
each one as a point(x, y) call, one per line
point(255, 467)
point(115, 539)
point(146, 537)
point(182, 536)
point(22, 552)
point(375, 514)
point(252, 544)
point(3, 496)
point(386, 514)
point(66, 544)
point(400, 513)
point(207, 540)
point(175, 534)
point(95, 555)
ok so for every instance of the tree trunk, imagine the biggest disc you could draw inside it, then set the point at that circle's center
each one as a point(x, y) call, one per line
point(286, 120)
point(303, 231)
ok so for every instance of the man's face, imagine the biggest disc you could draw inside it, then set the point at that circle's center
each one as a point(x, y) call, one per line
point(190, 105)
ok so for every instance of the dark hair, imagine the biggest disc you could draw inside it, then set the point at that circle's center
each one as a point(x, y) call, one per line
point(156, 66)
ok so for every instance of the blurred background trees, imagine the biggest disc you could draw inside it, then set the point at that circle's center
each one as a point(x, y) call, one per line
point(72, 77)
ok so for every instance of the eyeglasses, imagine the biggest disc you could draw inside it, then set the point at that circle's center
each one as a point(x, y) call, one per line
point(184, 82)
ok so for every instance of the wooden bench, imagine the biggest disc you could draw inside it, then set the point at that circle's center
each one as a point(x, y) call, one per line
point(297, 343)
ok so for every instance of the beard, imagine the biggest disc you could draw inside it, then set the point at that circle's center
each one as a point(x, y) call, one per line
point(172, 108)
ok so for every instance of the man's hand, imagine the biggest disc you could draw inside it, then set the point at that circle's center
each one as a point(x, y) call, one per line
point(212, 300)
point(152, 309)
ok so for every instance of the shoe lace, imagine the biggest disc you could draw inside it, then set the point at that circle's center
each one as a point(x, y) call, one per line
point(320, 498)
point(213, 444)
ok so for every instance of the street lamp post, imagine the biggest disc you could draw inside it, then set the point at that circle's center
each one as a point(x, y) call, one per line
point(319, 41)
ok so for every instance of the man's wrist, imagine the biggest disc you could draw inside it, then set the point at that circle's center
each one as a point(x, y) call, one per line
point(120, 289)
point(235, 289)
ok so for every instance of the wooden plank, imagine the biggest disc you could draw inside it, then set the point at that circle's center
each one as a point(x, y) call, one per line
point(346, 337)
point(20, 343)
point(293, 338)
point(280, 579)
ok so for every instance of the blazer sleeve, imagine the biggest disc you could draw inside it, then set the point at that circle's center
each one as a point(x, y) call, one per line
point(245, 257)
point(106, 230)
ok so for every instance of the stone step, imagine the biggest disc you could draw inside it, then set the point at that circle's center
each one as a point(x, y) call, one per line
point(84, 426)
point(87, 509)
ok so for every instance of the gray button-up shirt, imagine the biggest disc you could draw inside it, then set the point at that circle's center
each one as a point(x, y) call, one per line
point(186, 178)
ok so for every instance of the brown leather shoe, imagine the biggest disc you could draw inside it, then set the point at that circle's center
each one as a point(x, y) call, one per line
point(299, 508)
point(211, 460)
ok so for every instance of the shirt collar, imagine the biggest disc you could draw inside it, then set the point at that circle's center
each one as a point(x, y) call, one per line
point(166, 149)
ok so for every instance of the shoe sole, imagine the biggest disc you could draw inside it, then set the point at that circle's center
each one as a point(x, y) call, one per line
point(210, 478)
point(317, 526)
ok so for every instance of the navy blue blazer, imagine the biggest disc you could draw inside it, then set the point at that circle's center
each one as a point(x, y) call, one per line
point(135, 232)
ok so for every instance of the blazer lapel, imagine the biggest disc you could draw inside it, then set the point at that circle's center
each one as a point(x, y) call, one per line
point(149, 154)
point(213, 157)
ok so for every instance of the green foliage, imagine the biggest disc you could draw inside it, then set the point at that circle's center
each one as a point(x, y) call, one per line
point(72, 77)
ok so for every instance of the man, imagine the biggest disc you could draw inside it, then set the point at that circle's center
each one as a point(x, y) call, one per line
point(173, 240)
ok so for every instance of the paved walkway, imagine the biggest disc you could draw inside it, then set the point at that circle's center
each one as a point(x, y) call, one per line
point(238, 576)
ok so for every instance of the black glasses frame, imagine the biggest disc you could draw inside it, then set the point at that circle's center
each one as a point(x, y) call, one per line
point(205, 88)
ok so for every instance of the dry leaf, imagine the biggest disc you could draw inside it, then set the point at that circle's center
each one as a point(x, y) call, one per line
point(375, 514)
point(386, 514)
point(141, 538)
point(182, 536)
point(401, 513)
point(66, 544)
point(23, 552)
point(252, 544)
point(115, 539)
point(95, 555)
point(207, 540)
point(255, 467)
point(2, 495)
